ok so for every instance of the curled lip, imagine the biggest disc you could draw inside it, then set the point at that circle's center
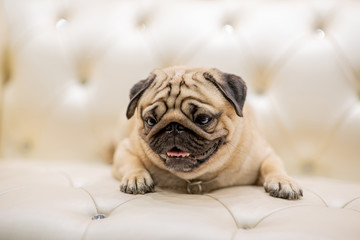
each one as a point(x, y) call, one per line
point(177, 155)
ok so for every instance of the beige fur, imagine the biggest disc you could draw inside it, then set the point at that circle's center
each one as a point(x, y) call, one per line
point(245, 157)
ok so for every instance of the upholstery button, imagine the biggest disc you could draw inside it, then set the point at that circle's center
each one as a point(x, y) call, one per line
point(142, 22)
point(26, 146)
point(262, 81)
point(76, 94)
point(83, 80)
point(228, 28)
point(320, 34)
point(84, 68)
point(7, 66)
point(142, 27)
point(260, 90)
point(61, 23)
point(308, 166)
point(245, 227)
point(98, 216)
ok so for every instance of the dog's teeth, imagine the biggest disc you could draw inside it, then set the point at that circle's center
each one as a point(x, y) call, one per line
point(178, 154)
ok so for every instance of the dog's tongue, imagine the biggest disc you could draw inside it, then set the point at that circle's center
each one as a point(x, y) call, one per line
point(173, 153)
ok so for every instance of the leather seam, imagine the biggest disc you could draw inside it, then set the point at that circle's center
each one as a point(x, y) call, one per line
point(226, 208)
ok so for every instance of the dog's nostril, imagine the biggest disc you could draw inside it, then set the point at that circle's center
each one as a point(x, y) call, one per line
point(178, 128)
point(169, 128)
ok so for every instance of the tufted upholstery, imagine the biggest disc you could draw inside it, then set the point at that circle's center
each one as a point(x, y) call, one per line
point(63, 207)
point(66, 68)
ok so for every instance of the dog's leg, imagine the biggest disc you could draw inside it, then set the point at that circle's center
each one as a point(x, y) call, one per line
point(129, 169)
point(276, 181)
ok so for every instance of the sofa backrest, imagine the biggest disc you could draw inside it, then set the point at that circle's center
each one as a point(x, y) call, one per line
point(67, 67)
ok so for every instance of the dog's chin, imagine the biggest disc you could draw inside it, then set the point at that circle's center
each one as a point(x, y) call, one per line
point(178, 160)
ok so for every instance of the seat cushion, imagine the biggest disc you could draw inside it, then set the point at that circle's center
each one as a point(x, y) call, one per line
point(40, 200)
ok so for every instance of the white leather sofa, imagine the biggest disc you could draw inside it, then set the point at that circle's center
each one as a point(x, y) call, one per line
point(67, 67)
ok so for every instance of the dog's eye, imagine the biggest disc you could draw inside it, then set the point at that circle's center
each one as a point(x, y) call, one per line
point(203, 119)
point(150, 121)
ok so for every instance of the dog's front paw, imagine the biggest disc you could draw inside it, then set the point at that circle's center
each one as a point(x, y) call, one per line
point(139, 182)
point(282, 187)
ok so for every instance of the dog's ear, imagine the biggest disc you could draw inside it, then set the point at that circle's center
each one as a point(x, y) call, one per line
point(232, 87)
point(136, 92)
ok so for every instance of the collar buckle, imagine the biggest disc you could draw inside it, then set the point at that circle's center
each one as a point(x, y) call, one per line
point(194, 187)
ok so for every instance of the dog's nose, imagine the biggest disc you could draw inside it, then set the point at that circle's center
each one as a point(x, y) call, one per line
point(174, 128)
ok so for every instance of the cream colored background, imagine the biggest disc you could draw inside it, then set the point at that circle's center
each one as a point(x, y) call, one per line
point(67, 67)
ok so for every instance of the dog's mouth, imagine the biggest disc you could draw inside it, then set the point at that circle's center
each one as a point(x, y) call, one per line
point(181, 160)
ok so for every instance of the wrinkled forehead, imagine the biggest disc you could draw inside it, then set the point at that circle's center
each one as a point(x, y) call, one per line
point(178, 75)
point(180, 89)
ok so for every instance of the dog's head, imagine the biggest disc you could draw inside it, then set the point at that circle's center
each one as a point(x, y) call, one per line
point(186, 116)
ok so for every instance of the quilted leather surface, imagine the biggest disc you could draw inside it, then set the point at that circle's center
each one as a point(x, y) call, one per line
point(68, 67)
point(58, 201)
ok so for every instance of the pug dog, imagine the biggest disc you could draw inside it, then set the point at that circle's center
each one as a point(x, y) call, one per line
point(191, 131)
